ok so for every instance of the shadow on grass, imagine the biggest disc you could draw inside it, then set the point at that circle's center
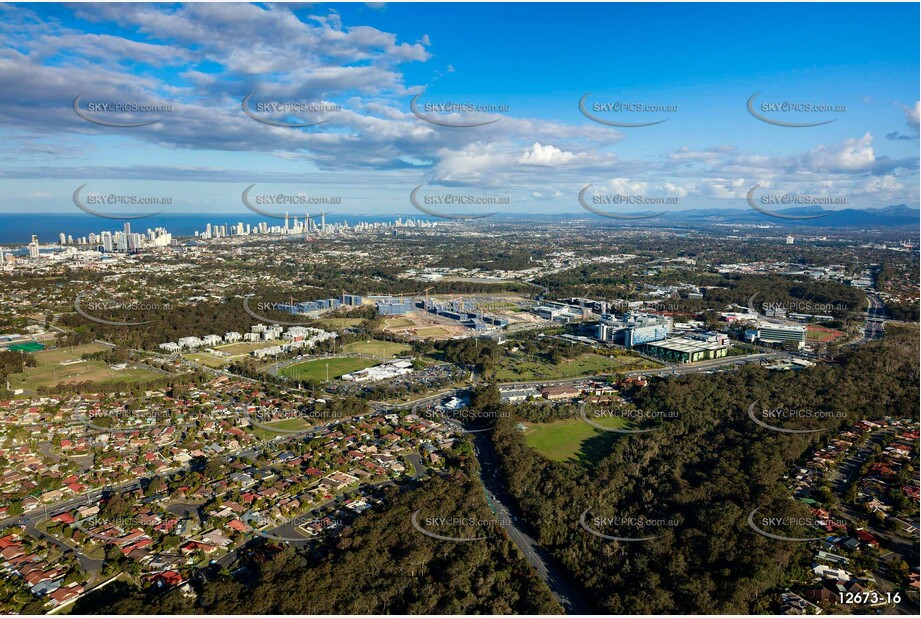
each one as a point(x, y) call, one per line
point(597, 447)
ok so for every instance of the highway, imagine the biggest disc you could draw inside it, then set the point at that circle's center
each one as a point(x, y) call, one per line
point(539, 558)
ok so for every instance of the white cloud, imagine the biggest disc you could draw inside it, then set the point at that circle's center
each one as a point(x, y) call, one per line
point(545, 155)
point(853, 155)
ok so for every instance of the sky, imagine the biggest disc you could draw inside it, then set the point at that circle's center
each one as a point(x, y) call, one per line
point(697, 65)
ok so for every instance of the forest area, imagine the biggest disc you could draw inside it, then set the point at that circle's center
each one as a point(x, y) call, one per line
point(703, 473)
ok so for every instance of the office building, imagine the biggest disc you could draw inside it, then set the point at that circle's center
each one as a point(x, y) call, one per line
point(394, 306)
point(778, 334)
point(633, 329)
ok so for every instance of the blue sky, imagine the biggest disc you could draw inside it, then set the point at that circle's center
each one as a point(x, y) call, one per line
point(703, 60)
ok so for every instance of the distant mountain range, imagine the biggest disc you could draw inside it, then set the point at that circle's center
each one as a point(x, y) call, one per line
point(897, 215)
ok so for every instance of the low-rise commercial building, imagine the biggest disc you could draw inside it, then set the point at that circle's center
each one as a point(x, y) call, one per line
point(685, 350)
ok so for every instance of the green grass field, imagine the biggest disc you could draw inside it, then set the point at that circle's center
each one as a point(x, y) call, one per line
point(432, 331)
point(516, 369)
point(51, 372)
point(397, 322)
point(340, 322)
point(565, 440)
point(53, 357)
point(290, 424)
point(316, 369)
point(385, 349)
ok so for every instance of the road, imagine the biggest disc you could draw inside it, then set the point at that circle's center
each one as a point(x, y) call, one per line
point(539, 558)
point(875, 318)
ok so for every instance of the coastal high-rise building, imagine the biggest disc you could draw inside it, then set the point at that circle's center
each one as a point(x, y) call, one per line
point(62, 238)
point(33, 247)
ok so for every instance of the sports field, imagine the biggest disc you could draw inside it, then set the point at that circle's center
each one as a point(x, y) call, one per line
point(820, 333)
point(65, 366)
point(316, 369)
point(385, 349)
point(565, 440)
point(59, 355)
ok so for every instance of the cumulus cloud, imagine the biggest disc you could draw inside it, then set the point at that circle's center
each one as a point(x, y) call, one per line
point(912, 115)
point(855, 154)
point(203, 59)
point(545, 155)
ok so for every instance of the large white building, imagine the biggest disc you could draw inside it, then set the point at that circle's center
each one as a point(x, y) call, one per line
point(632, 329)
point(778, 333)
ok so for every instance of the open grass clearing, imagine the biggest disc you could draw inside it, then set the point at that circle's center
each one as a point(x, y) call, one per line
point(317, 369)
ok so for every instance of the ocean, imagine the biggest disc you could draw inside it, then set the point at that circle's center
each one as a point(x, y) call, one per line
point(17, 228)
